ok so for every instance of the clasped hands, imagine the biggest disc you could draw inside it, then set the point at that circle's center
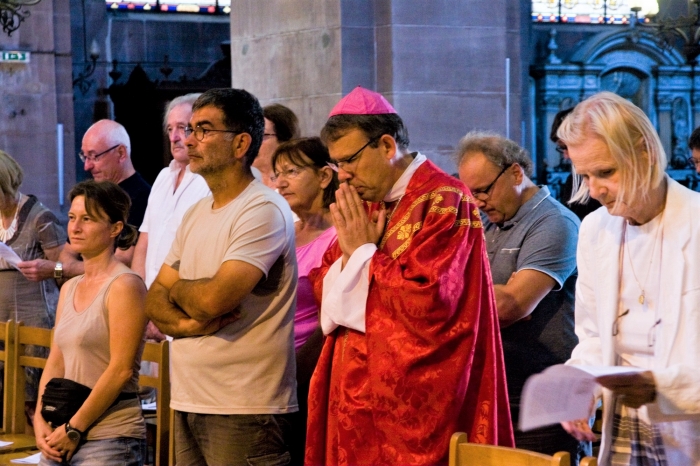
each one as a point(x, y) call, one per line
point(353, 226)
point(54, 443)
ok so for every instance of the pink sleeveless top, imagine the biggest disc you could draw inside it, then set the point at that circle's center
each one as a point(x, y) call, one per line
point(309, 257)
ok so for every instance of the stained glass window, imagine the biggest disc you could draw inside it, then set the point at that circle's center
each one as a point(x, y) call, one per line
point(174, 6)
point(585, 11)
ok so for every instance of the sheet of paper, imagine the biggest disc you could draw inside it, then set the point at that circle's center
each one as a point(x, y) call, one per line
point(9, 255)
point(4, 443)
point(562, 393)
point(34, 459)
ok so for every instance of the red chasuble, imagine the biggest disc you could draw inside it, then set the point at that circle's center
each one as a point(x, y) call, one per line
point(430, 362)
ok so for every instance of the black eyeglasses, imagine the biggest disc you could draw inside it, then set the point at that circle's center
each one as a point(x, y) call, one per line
point(483, 194)
point(692, 162)
point(200, 133)
point(93, 158)
point(561, 149)
point(353, 158)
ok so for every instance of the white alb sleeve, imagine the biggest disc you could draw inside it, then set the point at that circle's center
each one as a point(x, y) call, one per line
point(345, 291)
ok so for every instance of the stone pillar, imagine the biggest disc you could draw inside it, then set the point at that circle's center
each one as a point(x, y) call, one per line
point(36, 97)
point(440, 63)
point(289, 52)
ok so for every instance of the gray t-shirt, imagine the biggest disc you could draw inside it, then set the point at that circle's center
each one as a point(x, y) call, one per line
point(248, 366)
point(541, 236)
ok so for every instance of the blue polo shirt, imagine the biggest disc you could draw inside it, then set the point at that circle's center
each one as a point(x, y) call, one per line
point(541, 236)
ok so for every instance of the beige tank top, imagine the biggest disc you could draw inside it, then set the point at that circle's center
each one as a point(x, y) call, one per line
point(83, 338)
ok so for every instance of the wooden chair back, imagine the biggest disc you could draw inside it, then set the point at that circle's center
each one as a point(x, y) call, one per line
point(159, 353)
point(25, 336)
point(463, 453)
point(171, 449)
point(7, 356)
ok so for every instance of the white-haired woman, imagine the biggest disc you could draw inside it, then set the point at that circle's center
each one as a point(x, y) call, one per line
point(638, 290)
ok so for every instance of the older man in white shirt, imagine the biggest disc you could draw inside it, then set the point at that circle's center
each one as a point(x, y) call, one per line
point(173, 193)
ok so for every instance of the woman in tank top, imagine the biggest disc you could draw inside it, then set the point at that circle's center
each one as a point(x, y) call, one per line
point(98, 338)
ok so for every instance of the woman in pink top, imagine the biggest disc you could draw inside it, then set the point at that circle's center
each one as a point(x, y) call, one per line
point(303, 177)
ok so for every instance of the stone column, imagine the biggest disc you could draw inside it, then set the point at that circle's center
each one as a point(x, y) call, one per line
point(36, 96)
point(440, 63)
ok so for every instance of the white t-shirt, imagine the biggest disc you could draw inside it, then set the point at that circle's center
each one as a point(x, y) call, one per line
point(166, 207)
point(247, 367)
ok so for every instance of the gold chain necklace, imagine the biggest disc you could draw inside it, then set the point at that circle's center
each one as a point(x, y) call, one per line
point(642, 296)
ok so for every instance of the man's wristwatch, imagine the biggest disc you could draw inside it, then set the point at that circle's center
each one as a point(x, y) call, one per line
point(74, 435)
point(58, 271)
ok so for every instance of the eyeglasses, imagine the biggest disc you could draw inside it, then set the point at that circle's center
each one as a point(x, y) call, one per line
point(693, 162)
point(288, 174)
point(349, 160)
point(616, 324)
point(269, 135)
point(484, 194)
point(651, 336)
point(93, 158)
point(560, 149)
point(200, 133)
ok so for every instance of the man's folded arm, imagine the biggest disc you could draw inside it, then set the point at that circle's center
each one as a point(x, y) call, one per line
point(164, 314)
point(209, 298)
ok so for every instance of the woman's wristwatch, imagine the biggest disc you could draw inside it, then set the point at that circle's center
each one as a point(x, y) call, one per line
point(74, 435)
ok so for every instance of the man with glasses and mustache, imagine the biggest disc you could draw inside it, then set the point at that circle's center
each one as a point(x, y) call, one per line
point(106, 155)
point(227, 294)
point(531, 243)
point(412, 351)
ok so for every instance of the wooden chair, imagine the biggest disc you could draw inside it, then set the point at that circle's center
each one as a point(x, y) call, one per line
point(463, 453)
point(23, 336)
point(171, 449)
point(7, 356)
point(159, 353)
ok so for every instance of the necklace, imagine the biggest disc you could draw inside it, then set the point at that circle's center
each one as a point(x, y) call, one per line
point(642, 296)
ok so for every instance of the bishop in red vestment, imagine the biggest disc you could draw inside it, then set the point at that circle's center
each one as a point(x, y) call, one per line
point(423, 359)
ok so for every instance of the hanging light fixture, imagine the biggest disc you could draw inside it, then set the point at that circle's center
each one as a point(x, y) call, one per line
point(670, 30)
point(12, 13)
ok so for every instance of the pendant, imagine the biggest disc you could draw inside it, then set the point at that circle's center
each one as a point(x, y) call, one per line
point(641, 298)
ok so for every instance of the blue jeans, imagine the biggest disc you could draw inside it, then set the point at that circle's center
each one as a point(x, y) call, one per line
point(231, 440)
point(121, 451)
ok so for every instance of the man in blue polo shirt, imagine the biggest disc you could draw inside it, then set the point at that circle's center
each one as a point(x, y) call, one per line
point(531, 243)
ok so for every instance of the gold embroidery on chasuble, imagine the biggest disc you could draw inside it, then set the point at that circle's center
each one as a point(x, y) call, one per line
point(404, 232)
point(399, 236)
point(481, 431)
